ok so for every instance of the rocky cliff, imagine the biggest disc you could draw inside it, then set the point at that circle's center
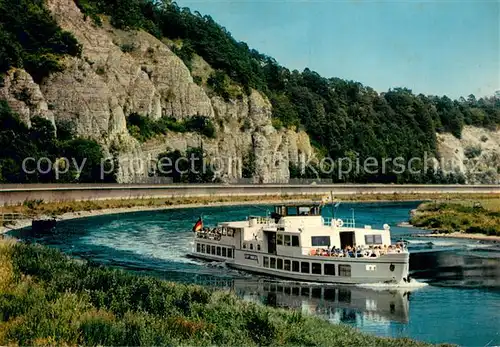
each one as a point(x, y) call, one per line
point(476, 154)
point(120, 73)
point(124, 72)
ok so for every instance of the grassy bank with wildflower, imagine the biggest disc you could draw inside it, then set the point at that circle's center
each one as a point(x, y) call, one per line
point(470, 216)
point(47, 298)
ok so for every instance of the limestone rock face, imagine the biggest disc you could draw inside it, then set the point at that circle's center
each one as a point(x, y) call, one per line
point(476, 154)
point(125, 72)
point(24, 96)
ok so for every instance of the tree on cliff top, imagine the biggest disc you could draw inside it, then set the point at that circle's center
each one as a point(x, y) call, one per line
point(31, 39)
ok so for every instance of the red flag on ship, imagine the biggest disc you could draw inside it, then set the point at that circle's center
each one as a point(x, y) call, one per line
point(198, 225)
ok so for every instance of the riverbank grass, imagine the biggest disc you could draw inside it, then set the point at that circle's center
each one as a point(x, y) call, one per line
point(32, 208)
point(47, 298)
point(471, 216)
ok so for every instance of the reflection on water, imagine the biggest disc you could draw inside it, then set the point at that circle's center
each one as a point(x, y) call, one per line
point(346, 304)
point(458, 271)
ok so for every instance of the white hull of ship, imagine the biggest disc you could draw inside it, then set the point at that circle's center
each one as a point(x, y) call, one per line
point(389, 268)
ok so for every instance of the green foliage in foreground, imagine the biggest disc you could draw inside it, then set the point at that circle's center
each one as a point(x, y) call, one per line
point(52, 299)
point(144, 128)
point(457, 217)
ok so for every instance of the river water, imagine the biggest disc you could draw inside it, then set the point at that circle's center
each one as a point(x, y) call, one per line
point(456, 299)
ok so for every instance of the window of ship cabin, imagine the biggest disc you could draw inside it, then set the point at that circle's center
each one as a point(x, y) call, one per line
point(329, 269)
point(279, 264)
point(345, 270)
point(291, 211)
point(286, 266)
point(279, 209)
point(279, 239)
point(273, 263)
point(304, 211)
point(218, 250)
point(224, 250)
point(202, 248)
point(230, 232)
point(287, 240)
point(295, 266)
point(316, 268)
point(258, 247)
point(251, 246)
point(266, 262)
point(295, 241)
point(373, 239)
point(320, 241)
point(304, 267)
point(198, 247)
point(244, 245)
point(229, 253)
point(213, 249)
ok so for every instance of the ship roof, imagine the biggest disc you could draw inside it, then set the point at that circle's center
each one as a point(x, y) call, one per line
point(299, 204)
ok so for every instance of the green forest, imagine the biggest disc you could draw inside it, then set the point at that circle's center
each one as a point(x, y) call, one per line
point(343, 118)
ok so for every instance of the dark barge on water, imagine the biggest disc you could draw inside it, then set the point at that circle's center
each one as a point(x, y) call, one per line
point(43, 224)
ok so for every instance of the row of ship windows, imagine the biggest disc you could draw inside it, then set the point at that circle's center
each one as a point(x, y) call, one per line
point(250, 245)
point(287, 240)
point(306, 267)
point(330, 294)
point(215, 250)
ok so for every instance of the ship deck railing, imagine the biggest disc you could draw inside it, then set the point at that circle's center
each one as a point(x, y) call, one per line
point(267, 221)
point(209, 235)
point(346, 223)
point(365, 252)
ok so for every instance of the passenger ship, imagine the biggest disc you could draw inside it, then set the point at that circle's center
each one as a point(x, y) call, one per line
point(297, 242)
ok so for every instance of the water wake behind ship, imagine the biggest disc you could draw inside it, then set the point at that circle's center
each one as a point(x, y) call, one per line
point(413, 284)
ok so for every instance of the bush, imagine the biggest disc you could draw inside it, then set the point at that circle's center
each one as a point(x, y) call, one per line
point(219, 82)
point(472, 152)
point(277, 123)
point(127, 47)
point(198, 80)
point(186, 53)
point(202, 125)
point(143, 128)
point(196, 171)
